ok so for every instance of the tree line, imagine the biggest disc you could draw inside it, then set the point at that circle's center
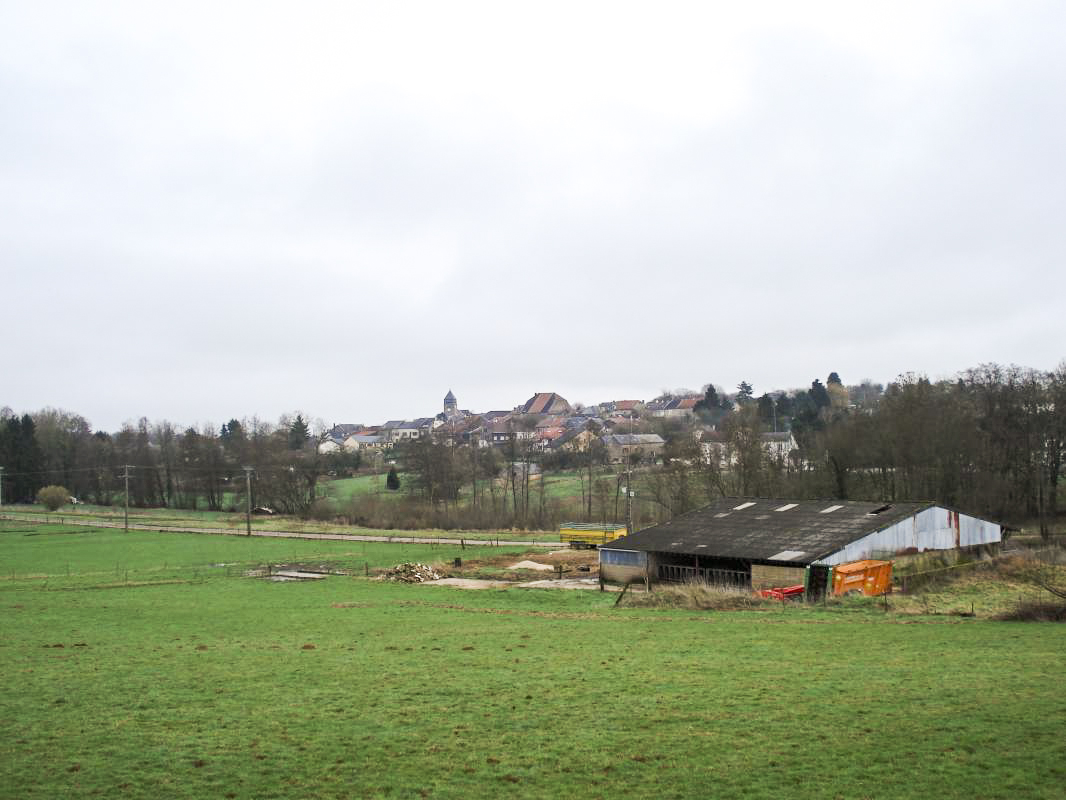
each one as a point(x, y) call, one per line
point(988, 441)
point(167, 466)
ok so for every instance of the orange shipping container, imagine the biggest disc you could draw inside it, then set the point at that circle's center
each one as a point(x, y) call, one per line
point(868, 577)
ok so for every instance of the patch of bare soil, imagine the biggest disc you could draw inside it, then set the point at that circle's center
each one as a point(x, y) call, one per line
point(532, 565)
point(569, 559)
point(572, 558)
point(472, 583)
point(503, 571)
point(568, 583)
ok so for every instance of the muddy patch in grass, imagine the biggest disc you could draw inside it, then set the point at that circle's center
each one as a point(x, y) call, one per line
point(513, 569)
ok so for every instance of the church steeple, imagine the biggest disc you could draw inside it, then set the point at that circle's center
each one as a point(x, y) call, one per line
point(450, 403)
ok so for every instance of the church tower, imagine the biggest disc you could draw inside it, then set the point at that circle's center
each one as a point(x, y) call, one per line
point(451, 405)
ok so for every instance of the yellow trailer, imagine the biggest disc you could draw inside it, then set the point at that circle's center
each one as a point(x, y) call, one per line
point(590, 535)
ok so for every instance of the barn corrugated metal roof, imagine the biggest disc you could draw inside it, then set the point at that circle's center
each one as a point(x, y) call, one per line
point(759, 529)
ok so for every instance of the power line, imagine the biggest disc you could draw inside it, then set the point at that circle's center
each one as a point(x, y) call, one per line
point(151, 468)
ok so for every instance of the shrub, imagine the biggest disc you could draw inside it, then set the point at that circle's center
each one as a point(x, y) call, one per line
point(53, 497)
point(1035, 611)
point(322, 510)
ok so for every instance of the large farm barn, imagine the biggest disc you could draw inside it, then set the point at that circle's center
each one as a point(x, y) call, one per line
point(758, 543)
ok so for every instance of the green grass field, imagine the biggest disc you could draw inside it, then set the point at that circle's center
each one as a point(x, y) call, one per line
point(561, 485)
point(343, 489)
point(79, 556)
point(230, 522)
point(558, 486)
point(225, 686)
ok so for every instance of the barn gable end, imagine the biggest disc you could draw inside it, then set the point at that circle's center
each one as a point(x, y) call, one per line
point(935, 528)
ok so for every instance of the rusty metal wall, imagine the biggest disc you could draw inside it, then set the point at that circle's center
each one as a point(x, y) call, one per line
point(932, 529)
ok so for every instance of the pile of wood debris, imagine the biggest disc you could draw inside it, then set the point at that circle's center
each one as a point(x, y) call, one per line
point(411, 573)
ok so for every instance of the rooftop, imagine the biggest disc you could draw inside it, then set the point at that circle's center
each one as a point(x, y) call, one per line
point(760, 529)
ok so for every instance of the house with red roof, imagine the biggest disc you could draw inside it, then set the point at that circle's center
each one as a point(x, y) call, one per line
point(545, 403)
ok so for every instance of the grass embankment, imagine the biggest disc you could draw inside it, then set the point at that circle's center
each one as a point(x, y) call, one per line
point(235, 687)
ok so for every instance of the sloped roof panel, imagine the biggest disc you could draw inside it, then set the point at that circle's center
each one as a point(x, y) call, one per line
point(760, 529)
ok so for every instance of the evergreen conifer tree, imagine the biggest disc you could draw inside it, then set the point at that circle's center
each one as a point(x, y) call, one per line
point(392, 482)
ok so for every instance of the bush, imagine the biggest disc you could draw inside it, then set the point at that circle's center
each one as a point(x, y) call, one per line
point(1035, 611)
point(53, 497)
point(322, 510)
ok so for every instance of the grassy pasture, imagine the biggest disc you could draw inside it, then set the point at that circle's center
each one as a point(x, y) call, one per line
point(343, 489)
point(235, 687)
point(561, 485)
point(81, 555)
point(229, 521)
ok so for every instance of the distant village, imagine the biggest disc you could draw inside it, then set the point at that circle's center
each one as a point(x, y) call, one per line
point(547, 423)
point(989, 439)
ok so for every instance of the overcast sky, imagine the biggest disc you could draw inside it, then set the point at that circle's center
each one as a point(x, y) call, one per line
point(230, 209)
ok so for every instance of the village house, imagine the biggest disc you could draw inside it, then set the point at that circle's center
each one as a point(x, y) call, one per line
point(673, 407)
point(364, 441)
point(342, 431)
point(716, 449)
point(399, 430)
point(575, 440)
point(502, 433)
point(645, 447)
point(335, 436)
point(545, 403)
point(551, 421)
point(329, 445)
point(461, 430)
point(623, 408)
point(545, 436)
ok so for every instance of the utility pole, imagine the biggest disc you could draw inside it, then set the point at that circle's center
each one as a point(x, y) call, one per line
point(248, 499)
point(1, 486)
point(629, 497)
point(629, 484)
point(126, 513)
